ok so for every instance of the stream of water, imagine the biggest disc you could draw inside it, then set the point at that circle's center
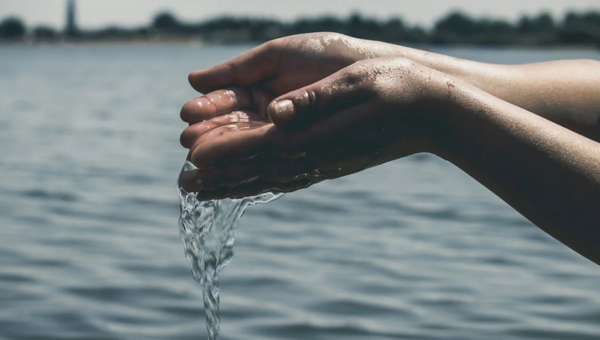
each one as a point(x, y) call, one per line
point(207, 229)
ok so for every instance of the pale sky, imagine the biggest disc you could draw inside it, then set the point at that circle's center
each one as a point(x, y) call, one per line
point(98, 13)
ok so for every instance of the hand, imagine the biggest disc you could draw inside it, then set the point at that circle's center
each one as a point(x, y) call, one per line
point(288, 63)
point(366, 114)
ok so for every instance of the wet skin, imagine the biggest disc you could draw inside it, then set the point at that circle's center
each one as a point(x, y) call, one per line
point(303, 109)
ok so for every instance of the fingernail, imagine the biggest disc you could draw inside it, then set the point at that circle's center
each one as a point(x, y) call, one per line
point(283, 110)
point(202, 101)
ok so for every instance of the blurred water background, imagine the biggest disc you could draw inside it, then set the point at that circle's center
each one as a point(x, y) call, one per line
point(89, 246)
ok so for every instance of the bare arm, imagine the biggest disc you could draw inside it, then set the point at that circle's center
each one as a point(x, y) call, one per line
point(566, 92)
point(548, 173)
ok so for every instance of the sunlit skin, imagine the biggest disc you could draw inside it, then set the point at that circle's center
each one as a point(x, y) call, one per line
point(302, 109)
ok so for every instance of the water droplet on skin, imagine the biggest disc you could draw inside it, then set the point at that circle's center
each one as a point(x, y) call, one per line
point(249, 180)
point(292, 156)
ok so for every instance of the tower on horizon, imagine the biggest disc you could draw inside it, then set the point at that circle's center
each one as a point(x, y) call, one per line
point(71, 22)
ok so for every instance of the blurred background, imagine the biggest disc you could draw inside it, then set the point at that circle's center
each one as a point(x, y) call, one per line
point(414, 249)
point(511, 22)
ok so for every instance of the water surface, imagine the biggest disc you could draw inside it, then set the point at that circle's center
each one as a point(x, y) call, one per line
point(89, 246)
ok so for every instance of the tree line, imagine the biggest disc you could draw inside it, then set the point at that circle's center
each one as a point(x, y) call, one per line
point(574, 28)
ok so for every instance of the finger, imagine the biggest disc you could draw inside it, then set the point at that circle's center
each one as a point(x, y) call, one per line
point(242, 180)
point(216, 103)
point(297, 108)
point(272, 169)
point(233, 140)
point(251, 67)
point(275, 175)
point(243, 140)
point(193, 132)
point(229, 176)
point(277, 170)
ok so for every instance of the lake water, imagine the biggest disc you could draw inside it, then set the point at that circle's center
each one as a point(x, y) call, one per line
point(90, 249)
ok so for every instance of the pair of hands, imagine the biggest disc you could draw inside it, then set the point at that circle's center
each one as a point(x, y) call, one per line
point(302, 109)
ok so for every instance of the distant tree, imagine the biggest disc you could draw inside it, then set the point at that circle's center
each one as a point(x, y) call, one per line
point(580, 28)
point(456, 27)
point(543, 23)
point(393, 30)
point(457, 23)
point(319, 24)
point(524, 25)
point(44, 33)
point(366, 28)
point(264, 29)
point(355, 25)
point(417, 34)
point(166, 22)
point(12, 28)
point(540, 29)
point(329, 24)
point(494, 31)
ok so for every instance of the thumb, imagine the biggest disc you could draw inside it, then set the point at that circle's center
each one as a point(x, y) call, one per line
point(310, 103)
point(250, 67)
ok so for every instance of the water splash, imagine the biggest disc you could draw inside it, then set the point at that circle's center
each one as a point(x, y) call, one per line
point(207, 229)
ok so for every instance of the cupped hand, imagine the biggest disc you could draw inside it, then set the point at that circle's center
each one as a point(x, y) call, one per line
point(288, 63)
point(368, 113)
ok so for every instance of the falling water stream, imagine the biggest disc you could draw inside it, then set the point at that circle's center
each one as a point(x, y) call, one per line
point(207, 229)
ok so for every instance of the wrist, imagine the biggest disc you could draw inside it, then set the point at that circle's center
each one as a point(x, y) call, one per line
point(447, 102)
point(461, 109)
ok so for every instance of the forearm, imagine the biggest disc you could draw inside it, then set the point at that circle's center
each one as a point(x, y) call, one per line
point(565, 92)
point(548, 173)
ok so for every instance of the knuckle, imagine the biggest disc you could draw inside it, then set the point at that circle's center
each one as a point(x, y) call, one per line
point(352, 77)
point(235, 72)
point(308, 99)
point(271, 45)
point(333, 36)
point(191, 134)
point(313, 99)
point(403, 65)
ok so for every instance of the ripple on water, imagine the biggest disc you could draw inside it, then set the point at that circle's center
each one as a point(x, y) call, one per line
point(329, 330)
point(61, 196)
point(549, 334)
point(120, 293)
point(355, 307)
